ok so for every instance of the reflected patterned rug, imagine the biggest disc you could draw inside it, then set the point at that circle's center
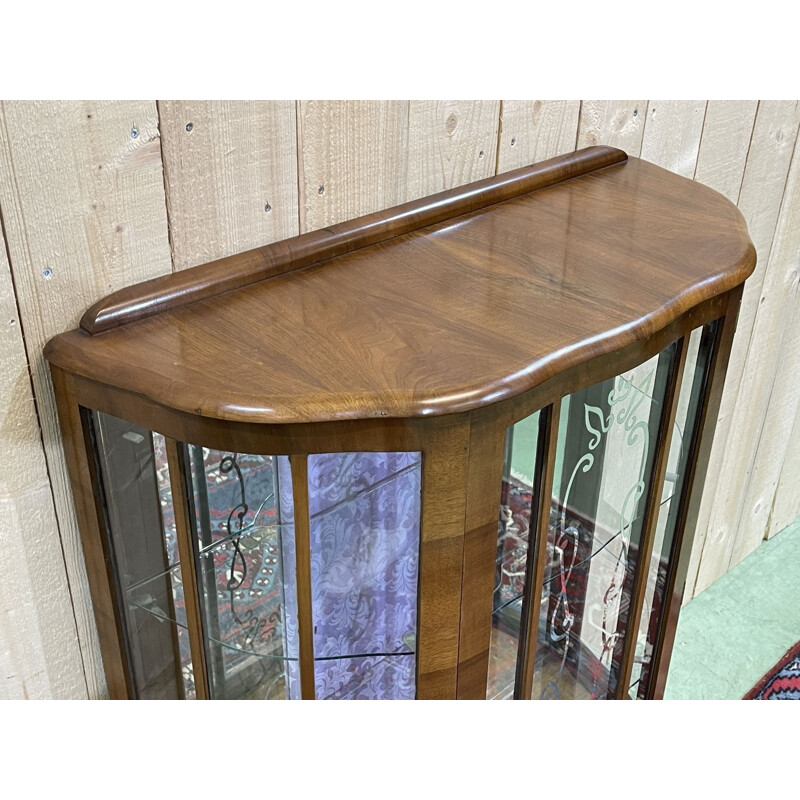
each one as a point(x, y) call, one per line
point(782, 682)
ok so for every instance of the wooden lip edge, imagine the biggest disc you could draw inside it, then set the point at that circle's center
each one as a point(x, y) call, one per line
point(234, 272)
point(644, 327)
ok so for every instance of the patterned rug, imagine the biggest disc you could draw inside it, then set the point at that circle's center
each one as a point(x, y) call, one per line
point(782, 682)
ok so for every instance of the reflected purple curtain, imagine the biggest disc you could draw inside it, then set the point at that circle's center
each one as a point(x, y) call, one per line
point(364, 530)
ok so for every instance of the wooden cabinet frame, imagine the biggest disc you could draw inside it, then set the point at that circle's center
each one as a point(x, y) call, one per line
point(461, 442)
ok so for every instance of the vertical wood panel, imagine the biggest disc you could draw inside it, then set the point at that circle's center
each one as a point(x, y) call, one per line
point(39, 654)
point(484, 491)
point(352, 159)
point(768, 159)
point(445, 460)
point(450, 143)
point(786, 505)
point(191, 593)
point(304, 582)
point(231, 178)
point(618, 123)
point(535, 130)
point(546, 450)
point(727, 130)
point(700, 442)
point(672, 134)
point(82, 194)
point(773, 380)
point(97, 547)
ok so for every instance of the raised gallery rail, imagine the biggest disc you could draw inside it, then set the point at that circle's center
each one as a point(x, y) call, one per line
point(453, 449)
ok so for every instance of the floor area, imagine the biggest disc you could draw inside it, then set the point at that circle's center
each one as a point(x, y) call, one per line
point(729, 636)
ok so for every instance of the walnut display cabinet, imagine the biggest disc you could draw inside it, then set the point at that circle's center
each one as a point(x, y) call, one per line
point(454, 449)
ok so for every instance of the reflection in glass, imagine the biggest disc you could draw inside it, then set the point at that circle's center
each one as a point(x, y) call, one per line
point(242, 555)
point(364, 533)
point(512, 555)
point(135, 483)
point(693, 387)
point(606, 444)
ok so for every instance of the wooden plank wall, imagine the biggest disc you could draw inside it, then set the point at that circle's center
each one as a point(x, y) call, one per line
point(98, 195)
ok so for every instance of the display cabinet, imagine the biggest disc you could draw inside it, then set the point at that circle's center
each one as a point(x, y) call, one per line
point(454, 449)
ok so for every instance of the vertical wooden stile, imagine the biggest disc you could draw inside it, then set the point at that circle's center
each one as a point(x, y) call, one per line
point(484, 487)
point(697, 466)
point(305, 612)
point(547, 442)
point(186, 550)
point(652, 509)
point(88, 500)
point(445, 458)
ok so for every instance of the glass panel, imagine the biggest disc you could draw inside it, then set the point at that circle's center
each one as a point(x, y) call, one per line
point(606, 444)
point(244, 542)
point(512, 555)
point(698, 360)
point(135, 481)
point(364, 531)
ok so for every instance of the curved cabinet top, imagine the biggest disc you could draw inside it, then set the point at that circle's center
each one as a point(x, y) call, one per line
point(442, 305)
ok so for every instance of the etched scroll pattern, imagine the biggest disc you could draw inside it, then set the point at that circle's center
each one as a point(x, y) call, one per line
point(624, 401)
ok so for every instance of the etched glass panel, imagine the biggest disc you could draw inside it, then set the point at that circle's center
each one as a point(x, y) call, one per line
point(606, 444)
point(243, 534)
point(141, 524)
point(512, 556)
point(364, 533)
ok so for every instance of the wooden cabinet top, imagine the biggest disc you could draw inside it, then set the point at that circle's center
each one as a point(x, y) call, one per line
point(442, 305)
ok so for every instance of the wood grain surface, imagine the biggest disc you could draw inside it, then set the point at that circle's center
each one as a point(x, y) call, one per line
point(73, 173)
point(235, 272)
point(429, 322)
point(230, 174)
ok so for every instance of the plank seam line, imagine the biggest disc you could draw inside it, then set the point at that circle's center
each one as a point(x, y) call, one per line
point(725, 456)
point(298, 158)
point(700, 141)
point(29, 371)
point(578, 126)
point(165, 183)
point(740, 513)
point(718, 443)
point(747, 156)
point(499, 136)
point(408, 140)
point(644, 126)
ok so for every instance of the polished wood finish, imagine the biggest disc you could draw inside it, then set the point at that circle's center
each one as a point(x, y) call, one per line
point(537, 548)
point(699, 455)
point(445, 463)
point(430, 328)
point(484, 489)
point(302, 549)
point(428, 322)
point(90, 509)
point(235, 272)
point(186, 550)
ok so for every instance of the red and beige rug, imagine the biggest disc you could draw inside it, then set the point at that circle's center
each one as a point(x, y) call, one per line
point(782, 682)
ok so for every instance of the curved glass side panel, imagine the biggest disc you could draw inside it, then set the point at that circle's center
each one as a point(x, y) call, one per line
point(132, 467)
point(606, 445)
point(664, 557)
point(364, 524)
point(512, 556)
